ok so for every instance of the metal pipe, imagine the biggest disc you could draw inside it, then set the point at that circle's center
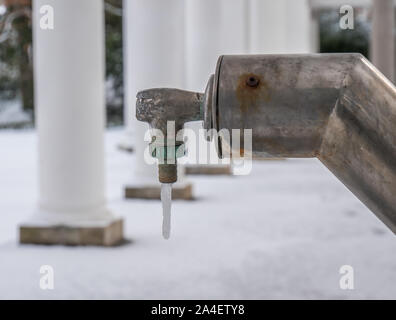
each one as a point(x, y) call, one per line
point(336, 107)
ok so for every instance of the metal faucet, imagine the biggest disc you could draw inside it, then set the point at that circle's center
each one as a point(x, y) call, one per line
point(160, 106)
point(336, 107)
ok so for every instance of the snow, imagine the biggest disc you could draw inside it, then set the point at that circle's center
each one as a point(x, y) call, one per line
point(3, 9)
point(283, 231)
point(11, 113)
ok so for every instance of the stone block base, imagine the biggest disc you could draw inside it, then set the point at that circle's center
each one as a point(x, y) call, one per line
point(106, 235)
point(182, 191)
point(209, 170)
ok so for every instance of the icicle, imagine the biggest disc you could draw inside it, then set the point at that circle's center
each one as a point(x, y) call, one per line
point(166, 198)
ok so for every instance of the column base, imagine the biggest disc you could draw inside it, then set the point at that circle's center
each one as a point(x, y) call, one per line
point(208, 169)
point(179, 191)
point(107, 234)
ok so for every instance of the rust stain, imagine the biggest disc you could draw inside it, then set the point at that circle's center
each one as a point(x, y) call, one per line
point(250, 96)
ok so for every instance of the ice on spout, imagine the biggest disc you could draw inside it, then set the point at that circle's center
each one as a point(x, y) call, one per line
point(166, 199)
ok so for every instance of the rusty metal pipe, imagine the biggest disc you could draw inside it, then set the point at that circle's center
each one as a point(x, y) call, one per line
point(336, 107)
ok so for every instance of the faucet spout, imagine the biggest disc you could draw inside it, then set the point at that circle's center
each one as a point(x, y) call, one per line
point(162, 109)
point(160, 105)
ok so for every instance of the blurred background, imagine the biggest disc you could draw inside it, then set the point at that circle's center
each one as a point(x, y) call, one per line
point(72, 157)
point(16, 78)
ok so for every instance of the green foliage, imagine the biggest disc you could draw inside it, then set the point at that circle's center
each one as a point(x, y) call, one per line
point(16, 71)
point(114, 64)
point(335, 39)
point(8, 74)
point(15, 59)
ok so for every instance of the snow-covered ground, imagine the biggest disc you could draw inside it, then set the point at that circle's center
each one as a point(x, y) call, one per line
point(284, 231)
point(12, 115)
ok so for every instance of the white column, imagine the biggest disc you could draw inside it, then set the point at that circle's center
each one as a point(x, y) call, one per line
point(268, 26)
point(281, 26)
point(202, 41)
point(298, 28)
point(213, 28)
point(69, 93)
point(382, 37)
point(234, 26)
point(129, 98)
point(314, 31)
point(155, 58)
